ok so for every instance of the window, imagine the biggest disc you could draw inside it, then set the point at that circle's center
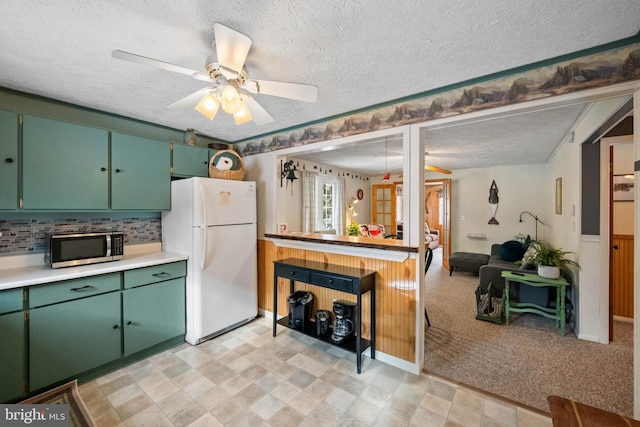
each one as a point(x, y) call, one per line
point(326, 203)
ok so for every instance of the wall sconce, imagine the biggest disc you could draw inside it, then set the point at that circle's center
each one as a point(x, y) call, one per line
point(287, 171)
point(351, 209)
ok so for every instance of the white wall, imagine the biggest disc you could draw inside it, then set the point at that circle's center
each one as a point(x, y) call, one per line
point(520, 188)
point(284, 204)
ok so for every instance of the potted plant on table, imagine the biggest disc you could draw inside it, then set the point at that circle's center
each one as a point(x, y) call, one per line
point(548, 260)
point(353, 229)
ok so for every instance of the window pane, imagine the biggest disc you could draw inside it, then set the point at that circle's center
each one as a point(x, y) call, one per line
point(327, 206)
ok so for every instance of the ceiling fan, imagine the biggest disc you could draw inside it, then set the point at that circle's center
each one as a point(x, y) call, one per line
point(229, 80)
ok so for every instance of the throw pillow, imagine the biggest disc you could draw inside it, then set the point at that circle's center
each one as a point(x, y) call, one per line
point(376, 230)
point(528, 254)
point(364, 230)
point(511, 251)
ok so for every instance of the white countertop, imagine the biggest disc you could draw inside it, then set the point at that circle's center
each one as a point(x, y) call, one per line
point(27, 275)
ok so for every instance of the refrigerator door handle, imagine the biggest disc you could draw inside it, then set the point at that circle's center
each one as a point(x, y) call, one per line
point(204, 228)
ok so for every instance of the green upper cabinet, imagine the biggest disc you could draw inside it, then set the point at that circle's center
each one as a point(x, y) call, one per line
point(140, 173)
point(9, 160)
point(189, 160)
point(65, 165)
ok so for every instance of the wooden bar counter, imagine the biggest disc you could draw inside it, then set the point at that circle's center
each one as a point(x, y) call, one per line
point(396, 284)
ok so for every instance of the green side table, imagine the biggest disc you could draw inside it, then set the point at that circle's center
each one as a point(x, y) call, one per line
point(557, 313)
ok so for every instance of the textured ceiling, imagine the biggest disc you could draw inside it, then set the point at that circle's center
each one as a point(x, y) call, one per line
point(514, 140)
point(358, 53)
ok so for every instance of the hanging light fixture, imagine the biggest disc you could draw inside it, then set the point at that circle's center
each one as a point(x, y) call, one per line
point(208, 106)
point(387, 176)
point(230, 99)
point(243, 115)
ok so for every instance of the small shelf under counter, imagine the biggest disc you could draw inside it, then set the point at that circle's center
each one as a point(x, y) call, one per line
point(351, 280)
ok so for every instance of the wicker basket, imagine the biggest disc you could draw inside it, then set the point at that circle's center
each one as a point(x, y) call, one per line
point(237, 175)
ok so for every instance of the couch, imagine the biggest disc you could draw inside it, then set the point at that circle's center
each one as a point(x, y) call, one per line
point(492, 273)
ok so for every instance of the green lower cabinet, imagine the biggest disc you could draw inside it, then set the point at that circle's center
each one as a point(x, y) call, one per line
point(72, 337)
point(153, 314)
point(12, 350)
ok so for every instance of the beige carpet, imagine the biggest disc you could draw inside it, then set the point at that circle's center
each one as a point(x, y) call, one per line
point(65, 394)
point(527, 360)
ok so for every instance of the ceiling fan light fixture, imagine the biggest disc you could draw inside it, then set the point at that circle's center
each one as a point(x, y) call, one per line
point(208, 106)
point(243, 115)
point(230, 99)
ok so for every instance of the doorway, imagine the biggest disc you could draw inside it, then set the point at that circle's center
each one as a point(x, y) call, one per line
point(621, 227)
point(437, 209)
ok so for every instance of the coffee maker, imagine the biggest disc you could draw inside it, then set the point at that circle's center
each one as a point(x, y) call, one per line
point(344, 311)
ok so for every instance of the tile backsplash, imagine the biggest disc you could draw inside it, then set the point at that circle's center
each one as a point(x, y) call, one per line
point(26, 234)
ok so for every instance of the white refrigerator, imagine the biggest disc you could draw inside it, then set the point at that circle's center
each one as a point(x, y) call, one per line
point(213, 221)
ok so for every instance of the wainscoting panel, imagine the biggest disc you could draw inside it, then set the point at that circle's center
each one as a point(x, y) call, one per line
point(622, 276)
point(395, 294)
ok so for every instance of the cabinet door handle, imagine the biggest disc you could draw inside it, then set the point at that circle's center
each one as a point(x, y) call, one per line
point(615, 246)
point(103, 169)
point(163, 274)
point(118, 170)
point(8, 160)
point(83, 288)
point(293, 273)
point(115, 326)
point(129, 322)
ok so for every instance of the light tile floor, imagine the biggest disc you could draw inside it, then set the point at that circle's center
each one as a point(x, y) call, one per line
point(247, 377)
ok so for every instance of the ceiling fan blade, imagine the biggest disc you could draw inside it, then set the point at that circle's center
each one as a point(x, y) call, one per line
point(259, 114)
point(232, 47)
point(132, 57)
point(190, 101)
point(300, 92)
point(437, 169)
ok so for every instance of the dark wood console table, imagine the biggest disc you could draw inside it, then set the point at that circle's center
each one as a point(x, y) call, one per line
point(340, 278)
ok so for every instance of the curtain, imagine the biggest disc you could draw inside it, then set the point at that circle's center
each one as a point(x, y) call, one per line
point(341, 205)
point(309, 201)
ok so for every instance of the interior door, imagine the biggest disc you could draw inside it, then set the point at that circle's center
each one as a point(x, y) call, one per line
point(445, 218)
point(384, 206)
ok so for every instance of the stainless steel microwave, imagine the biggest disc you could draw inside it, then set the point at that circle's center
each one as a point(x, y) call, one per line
point(67, 250)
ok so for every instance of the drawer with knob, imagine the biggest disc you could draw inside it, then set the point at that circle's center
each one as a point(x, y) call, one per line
point(331, 281)
point(154, 274)
point(294, 273)
point(73, 289)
